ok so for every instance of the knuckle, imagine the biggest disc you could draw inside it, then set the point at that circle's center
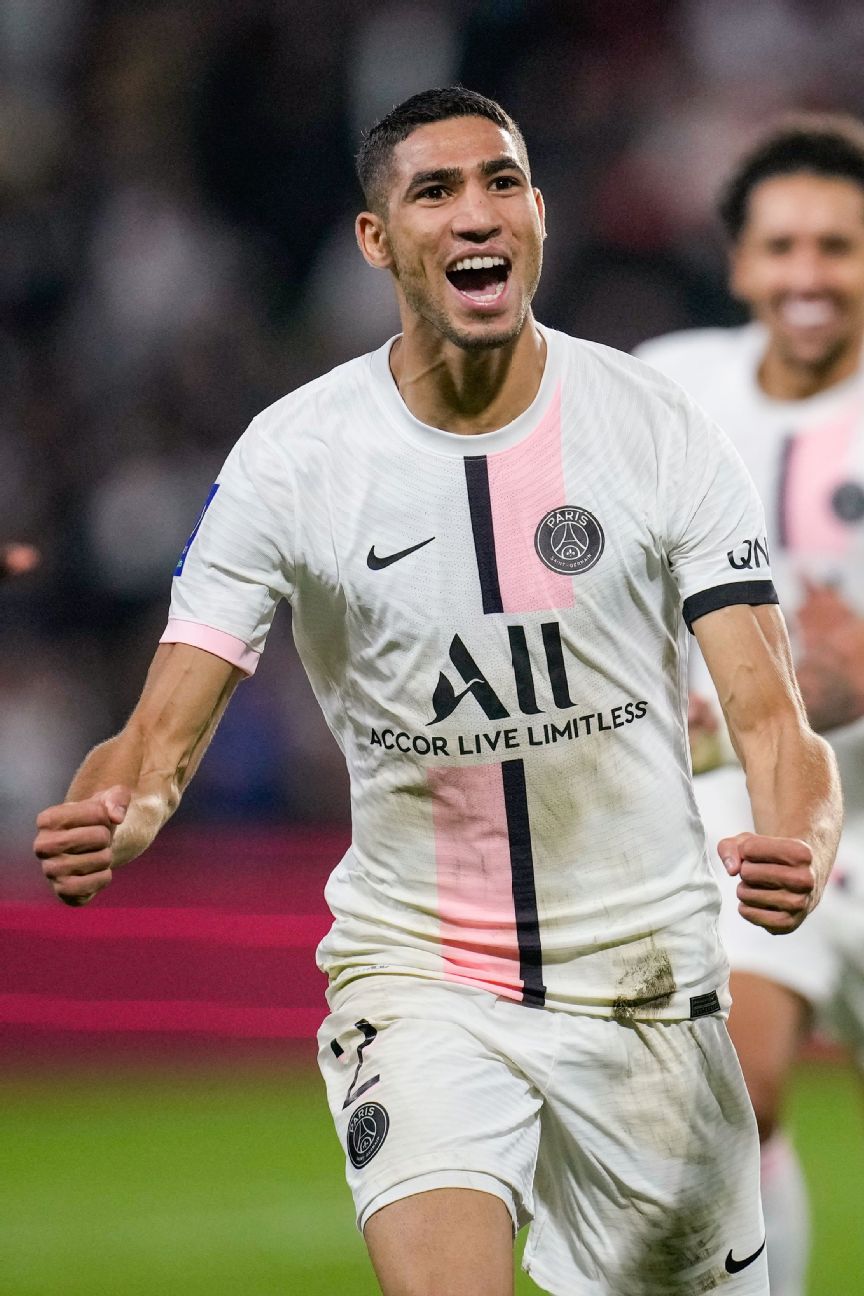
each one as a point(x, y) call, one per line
point(45, 844)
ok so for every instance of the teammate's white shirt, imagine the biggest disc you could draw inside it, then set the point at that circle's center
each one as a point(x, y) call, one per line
point(493, 627)
point(807, 460)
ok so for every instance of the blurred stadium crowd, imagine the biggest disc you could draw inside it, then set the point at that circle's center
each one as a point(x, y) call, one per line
point(176, 219)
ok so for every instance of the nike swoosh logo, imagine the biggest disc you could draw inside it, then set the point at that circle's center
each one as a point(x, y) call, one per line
point(735, 1266)
point(374, 563)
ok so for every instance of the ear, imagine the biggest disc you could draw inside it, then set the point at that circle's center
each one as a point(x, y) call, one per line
point(373, 241)
point(541, 210)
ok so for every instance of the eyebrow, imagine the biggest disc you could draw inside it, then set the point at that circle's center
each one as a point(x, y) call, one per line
point(452, 175)
point(503, 163)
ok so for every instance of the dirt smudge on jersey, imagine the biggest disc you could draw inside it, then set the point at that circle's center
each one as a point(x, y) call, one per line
point(676, 1250)
point(646, 986)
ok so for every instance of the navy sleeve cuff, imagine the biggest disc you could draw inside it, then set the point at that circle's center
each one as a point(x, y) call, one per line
point(720, 596)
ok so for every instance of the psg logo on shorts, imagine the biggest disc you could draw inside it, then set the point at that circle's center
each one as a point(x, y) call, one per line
point(569, 540)
point(367, 1130)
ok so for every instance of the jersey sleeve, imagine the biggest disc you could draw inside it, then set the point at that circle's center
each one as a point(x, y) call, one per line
point(716, 538)
point(236, 565)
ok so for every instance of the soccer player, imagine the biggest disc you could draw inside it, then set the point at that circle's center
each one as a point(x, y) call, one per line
point(789, 388)
point(494, 539)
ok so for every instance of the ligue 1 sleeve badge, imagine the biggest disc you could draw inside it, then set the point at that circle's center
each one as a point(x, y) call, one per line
point(569, 540)
point(367, 1130)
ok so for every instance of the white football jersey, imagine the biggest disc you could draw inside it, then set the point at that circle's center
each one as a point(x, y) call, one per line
point(495, 627)
point(807, 460)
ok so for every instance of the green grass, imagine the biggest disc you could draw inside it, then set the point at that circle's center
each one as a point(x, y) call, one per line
point(224, 1183)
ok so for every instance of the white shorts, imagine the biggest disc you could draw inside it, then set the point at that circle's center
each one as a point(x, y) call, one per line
point(823, 961)
point(630, 1147)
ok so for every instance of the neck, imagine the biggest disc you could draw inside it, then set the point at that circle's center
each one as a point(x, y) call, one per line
point(784, 378)
point(467, 391)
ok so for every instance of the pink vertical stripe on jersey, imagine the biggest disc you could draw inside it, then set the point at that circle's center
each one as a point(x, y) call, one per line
point(819, 462)
point(479, 945)
point(525, 482)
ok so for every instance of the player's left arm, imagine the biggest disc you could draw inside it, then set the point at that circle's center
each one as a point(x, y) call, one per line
point(791, 773)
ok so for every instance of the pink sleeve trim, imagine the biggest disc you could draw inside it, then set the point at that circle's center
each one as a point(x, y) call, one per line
point(217, 642)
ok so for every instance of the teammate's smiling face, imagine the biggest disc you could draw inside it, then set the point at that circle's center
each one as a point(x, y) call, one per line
point(799, 265)
point(462, 233)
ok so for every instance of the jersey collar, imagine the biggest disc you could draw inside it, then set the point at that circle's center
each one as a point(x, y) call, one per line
point(453, 443)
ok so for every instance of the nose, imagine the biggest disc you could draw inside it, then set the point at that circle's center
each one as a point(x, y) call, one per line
point(806, 271)
point(474, 220)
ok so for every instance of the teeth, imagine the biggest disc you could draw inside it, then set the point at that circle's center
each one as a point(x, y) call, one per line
point(479, 263)
point(808, 314)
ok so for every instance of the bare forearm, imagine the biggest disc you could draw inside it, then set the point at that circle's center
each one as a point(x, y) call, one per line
point(130, 786)
point(120, 760)
point(795, 791)
point(161, 747)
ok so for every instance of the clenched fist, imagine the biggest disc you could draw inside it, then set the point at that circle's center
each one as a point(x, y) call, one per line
point(777, 886)
point(75, 841)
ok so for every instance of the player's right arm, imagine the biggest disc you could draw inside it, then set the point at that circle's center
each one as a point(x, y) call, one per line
point(129, 786)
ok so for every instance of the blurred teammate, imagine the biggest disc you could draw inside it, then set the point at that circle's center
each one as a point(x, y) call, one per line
point(494, 539)
point(789, 389)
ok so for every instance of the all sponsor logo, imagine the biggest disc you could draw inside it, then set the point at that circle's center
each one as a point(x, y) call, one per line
point(534, 684)
point(367, 1130)
point(446, 698)
point(569, 540)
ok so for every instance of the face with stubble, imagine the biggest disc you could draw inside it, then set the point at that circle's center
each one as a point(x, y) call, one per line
point(462, 233)
point(799, 266)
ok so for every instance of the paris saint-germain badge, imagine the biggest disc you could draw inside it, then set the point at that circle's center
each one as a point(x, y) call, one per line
point(569, 540)
point(367, 1130)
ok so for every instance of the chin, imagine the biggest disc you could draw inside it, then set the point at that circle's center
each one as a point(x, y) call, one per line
point(815, 357)
point(485, 335)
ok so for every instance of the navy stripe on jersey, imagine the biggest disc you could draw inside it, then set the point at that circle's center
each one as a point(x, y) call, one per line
point(752, 592)
point(480, 507)
point(524, 892)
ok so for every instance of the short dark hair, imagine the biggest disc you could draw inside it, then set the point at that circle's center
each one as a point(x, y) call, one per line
point(828, 145)
point(376, 149)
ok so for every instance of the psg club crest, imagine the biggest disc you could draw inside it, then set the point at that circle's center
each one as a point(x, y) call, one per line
point(848, 502)
point(569, 540)
point(367, 1130)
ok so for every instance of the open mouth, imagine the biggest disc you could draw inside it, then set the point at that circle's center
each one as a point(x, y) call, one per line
point(808, 313)
point(480, 279)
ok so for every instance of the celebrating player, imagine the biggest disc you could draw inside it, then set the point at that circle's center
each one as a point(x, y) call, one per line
point(789, 388)
point(494, 539)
